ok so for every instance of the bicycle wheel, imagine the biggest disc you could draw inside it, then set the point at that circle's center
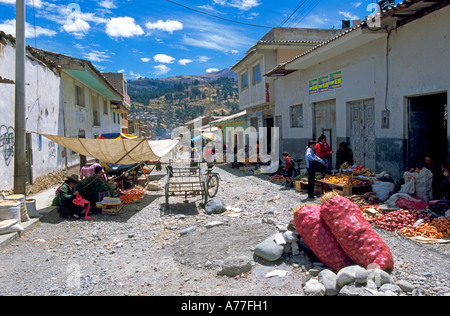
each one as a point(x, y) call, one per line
point(212, 185)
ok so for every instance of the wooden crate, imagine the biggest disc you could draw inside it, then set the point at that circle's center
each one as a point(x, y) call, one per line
point(345, 190)
point(111, 209)
point(302, 186)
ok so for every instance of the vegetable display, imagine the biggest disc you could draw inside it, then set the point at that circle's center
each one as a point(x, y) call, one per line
point(399, 219)
point(344, 180)
point(129, 196)
point(437, 229)
point(319, 238)
point(354, 233)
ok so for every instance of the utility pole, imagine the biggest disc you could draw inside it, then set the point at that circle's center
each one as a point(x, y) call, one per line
point(20, 159)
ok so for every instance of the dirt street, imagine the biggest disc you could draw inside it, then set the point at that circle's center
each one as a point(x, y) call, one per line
point(141, 251)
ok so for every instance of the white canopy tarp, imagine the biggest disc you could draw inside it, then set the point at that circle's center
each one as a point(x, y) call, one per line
point(121, 151)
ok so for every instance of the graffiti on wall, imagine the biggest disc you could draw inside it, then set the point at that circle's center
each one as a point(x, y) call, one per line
point(7, 143)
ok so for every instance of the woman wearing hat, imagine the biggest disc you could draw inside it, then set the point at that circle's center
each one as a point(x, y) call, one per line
point(65, 195)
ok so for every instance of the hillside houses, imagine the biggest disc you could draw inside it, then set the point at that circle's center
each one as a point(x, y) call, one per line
point(382, 86)
point(65, 96)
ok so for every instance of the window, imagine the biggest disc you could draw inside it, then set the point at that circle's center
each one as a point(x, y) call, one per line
point(95, 110)
point(105, 107)
point(256, 74)
point(296, 116)
point(79, 96)
point(244, 81)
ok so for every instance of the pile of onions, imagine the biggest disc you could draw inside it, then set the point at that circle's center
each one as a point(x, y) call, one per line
point(399, 219)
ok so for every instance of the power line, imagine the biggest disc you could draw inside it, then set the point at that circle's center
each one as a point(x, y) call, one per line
point(218, 17)
point(290, 16)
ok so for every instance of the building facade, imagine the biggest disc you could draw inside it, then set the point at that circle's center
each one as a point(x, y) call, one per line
point(65, 96)
point(382, 89)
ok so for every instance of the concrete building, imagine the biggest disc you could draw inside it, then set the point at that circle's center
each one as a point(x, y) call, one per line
point(383, 89)
point(257, 92)
point(65, 96)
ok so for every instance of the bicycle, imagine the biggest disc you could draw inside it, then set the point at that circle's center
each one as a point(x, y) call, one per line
point(212, 180)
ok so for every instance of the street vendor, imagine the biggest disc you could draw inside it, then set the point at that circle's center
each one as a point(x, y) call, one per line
point(324, 152)
point(69, 202)
point(344, 155)
point(95, 188)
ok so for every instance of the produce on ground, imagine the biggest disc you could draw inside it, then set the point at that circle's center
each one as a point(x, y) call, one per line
point(367, 199)
point(318, 236)
point(399, 219)
point(354, 233)
point(437, 229)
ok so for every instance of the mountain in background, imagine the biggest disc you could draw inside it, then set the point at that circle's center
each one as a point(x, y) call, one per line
point(170, 102)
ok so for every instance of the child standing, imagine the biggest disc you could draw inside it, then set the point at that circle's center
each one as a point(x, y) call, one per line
point(289, 169)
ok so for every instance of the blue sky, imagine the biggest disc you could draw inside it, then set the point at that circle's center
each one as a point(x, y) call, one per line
point(159, 38)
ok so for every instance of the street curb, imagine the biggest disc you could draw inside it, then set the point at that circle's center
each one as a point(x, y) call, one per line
point(7, 239)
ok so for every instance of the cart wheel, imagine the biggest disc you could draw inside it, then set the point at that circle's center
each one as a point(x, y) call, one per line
point(212, 185)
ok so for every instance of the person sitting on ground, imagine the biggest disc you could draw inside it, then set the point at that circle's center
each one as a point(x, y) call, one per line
point(95, 188)
point(289, 169)
point(65, 197)
point(344, 155)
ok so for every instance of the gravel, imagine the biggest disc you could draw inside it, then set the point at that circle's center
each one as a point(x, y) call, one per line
point(149, 250)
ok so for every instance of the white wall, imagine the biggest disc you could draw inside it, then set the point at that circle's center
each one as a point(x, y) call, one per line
point(42, 111)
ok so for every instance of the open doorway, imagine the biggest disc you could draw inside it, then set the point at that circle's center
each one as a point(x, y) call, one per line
point(427, 130)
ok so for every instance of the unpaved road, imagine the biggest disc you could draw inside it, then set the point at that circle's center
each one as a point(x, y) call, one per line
point(141, 251)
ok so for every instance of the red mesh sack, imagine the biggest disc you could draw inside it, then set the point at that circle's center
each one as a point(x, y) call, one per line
point(354, 233)
point(319, 238)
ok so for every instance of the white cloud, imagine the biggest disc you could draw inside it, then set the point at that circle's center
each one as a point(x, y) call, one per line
point(211, 70)
point(243, 5)
point(161, 70)
point(204, 59)
point(216, 36)
point(107, 4)
point(348, 15)
point(9, 27)
point(123, 27)
point(79, 28)
point(121, 71)
point(96, 56)
point(167, 26)
point(185, 62)
point(145, 60)
point(163, 58)
point(357, 4)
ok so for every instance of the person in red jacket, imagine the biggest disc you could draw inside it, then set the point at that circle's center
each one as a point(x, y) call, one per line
point(289, 169)
point(324, 152)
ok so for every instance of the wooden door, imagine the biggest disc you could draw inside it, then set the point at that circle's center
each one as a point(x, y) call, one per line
point(362, 135)
point(325, 123)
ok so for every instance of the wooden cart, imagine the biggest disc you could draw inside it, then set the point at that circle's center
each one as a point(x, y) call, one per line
point(185, 182)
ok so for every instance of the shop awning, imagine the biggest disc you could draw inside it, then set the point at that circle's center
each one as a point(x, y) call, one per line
point(120, 151)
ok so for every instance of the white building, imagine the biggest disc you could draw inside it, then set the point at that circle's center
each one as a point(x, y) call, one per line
point(256, 92)
point(382, 88)
point(65, 96)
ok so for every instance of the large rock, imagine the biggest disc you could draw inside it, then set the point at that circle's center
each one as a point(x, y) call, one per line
point(234, 266)
point(314, 288)
point(269, 249)
point(214, 206)
point(328, 278)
